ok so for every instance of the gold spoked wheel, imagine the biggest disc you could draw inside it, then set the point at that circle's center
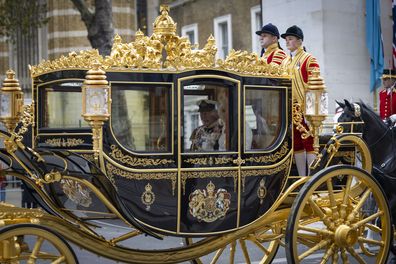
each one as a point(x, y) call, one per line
point(33, 244)
point(329, 221)
point(261, 245)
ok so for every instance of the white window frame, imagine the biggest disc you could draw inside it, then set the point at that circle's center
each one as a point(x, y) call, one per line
point(217, 34)
point(255, 40)
point(189, 28)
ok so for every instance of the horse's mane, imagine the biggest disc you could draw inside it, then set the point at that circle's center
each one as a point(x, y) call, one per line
point(373, 115)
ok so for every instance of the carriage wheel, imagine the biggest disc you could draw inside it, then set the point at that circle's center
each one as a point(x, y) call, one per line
point(263, 243)
point(34, 244)
point(328, 221)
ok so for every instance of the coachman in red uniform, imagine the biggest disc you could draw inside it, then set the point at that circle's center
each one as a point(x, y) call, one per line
point(387, 96)
point(269, 41)
point(302, 64)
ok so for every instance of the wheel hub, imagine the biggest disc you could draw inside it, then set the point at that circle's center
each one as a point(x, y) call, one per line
point(345, 236)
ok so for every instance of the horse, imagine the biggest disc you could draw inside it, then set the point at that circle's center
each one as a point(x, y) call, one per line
point(380, 138)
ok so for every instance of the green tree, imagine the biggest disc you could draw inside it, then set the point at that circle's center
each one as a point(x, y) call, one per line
point(21, 16)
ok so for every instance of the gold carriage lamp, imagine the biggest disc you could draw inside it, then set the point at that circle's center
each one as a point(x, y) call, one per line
point(96, 104)
point(11, 101)
point(316, 104)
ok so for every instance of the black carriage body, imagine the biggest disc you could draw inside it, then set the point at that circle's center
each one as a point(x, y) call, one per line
point(146, 144)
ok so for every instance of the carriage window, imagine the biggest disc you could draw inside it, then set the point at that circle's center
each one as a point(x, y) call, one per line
point(63, 107)
point(209, 117)
point(262, 117)
point(140, 117)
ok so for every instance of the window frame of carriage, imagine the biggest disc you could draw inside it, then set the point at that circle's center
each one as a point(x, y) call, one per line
point(233, 116)
point(283, 109)
point(41, 97)
point(169, 86)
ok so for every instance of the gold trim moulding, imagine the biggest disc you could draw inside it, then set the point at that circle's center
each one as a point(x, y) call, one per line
point(272, 157)
point(64, 142)
point(117, 154)
point(113, 170)
point(263, 172)
point(208, 174)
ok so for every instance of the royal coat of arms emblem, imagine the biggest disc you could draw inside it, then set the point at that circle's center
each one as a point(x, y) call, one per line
point(209, 205)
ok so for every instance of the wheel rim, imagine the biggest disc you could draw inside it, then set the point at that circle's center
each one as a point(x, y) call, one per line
point(331, 219)
point(263, 243)
point(29, 244)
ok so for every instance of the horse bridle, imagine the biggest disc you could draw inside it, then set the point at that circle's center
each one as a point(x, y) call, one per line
point(356, 110)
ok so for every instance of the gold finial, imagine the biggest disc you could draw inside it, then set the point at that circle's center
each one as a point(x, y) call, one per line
point(96, 76)
point(10, 83)
point(164, 8)
point(10, 74)
point(164, 24)
point(315, 81)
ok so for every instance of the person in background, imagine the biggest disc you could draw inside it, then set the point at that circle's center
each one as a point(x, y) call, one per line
point(387, 96)
point(269, 40)
point(210, 136)
point(301, 64)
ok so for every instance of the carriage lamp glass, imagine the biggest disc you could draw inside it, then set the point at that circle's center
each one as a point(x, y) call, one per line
point(11, 101)
point(324, 103)
point(96, 101)
point(5, 101)
point(310, 103)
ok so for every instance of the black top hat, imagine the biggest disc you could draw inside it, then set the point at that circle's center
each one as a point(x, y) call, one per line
point(207, 105)
point(389, 73)
point(270, 29)
point(294, 31)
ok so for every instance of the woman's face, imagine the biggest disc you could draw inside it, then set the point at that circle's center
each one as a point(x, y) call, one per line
point(208, 117)
point(293, 43)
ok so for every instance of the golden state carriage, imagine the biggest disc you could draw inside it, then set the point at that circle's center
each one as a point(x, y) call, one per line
point(128, 160)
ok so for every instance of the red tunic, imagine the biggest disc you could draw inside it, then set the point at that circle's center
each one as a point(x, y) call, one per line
point(273, 54)
point(387, 103)
point(302, 64)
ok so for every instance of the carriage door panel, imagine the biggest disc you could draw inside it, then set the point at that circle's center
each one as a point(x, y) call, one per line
point(266, 148)
point(208, 150)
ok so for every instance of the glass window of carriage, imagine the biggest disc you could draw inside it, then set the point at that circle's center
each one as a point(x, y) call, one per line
point(62, 106)
point(210, 115)
point(263, 120)
point(141, 116)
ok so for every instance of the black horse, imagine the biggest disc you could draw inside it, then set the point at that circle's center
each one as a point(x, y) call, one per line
point(380, 138)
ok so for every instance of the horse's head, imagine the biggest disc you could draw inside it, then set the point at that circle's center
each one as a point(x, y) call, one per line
point(351, 113)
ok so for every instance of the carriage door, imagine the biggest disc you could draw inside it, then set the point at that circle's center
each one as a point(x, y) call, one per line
point(208, 153)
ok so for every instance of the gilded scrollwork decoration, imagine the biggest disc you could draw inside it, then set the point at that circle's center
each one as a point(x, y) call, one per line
point(64, 142)
point(208, 174)
point(298, 121)
point(272, 157)
point(209, 161)
point(209, 204)
point(164, 49)
point(148, 196)
point(77, 192)
point(27, 119)
point(264, 172)
point(117, 154)
point(261, 191)
point(113, 170)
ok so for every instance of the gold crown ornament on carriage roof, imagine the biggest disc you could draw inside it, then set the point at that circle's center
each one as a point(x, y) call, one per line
point(146, 53)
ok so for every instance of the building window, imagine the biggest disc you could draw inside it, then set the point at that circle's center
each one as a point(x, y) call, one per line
point(256, 23)
point(191, 31)
point(223, 35)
